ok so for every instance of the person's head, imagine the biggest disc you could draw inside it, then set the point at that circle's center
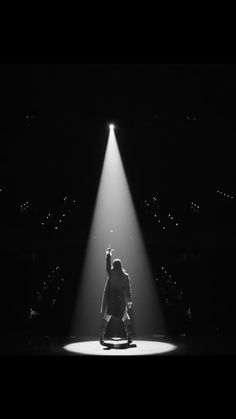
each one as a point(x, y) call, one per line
point(117, 265)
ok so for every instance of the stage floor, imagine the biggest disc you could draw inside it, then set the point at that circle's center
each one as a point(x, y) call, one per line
point(157, 345)
point(137, 348)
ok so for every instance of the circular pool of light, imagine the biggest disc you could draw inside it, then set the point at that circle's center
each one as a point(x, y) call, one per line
point(138, 347)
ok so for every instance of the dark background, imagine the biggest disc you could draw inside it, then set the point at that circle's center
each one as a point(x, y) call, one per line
point(175, 127)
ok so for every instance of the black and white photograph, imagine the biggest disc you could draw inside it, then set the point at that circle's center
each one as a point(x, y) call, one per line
point(117, 209)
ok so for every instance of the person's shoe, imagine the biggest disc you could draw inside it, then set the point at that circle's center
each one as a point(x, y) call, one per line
point(101, 340)
point(130, 340)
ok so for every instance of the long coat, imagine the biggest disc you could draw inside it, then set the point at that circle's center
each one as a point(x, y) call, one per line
point(117, 291)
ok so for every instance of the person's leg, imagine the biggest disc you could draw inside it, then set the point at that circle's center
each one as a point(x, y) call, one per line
point(127, 324)
point(105, 320)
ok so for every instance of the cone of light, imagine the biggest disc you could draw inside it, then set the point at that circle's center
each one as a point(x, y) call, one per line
point(115, 222)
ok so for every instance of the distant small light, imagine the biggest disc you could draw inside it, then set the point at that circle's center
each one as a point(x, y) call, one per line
point(164, 228)
point(42, 224)
point(74, 200)
point(155, 215)
point(176, 224)
point(65, 198)
point(55, 228)
point(63, 215)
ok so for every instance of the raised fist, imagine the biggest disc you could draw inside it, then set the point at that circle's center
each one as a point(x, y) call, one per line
point(109, 250)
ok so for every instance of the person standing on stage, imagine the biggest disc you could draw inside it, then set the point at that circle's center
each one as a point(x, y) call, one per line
point(117, 298)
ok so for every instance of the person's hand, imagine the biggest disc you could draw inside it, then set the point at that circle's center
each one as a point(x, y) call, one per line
point(129, 305)
point(109, 250)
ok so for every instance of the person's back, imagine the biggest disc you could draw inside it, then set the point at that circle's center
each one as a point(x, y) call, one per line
point(117, 280)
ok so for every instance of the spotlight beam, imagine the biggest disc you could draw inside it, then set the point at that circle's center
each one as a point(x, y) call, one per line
point(115, 222)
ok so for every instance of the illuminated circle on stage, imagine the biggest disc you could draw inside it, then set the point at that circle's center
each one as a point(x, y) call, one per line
point(137, 347)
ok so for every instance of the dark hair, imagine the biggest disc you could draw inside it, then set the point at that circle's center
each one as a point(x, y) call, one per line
point(117, 265)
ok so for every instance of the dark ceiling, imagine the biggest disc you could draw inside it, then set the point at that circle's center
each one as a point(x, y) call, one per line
point(173, 121)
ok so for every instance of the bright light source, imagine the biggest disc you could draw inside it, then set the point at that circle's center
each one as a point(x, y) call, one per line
point(111, 126)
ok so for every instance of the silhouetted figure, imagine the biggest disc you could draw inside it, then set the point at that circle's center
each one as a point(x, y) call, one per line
point(117, 299)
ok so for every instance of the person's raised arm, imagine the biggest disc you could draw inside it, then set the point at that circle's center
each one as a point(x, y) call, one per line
point(108, 260)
